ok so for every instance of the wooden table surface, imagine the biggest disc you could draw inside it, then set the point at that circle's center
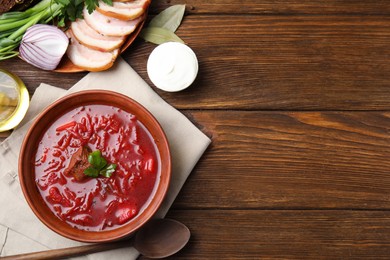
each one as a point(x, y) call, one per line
point(295, 96)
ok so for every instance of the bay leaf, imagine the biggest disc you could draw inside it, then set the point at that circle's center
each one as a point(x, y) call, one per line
point(159, 35)
point(170, 18)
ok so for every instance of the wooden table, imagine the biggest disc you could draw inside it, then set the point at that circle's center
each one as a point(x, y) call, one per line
point(296, 98)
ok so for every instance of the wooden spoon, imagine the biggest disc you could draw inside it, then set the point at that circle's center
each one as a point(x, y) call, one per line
point(157, 239)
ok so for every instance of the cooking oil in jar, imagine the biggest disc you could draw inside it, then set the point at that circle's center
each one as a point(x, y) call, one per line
point(14, 100)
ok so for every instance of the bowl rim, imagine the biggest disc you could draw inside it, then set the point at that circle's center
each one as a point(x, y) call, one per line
point(157, 200)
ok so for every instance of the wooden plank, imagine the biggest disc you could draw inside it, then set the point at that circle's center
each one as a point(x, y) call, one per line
point(294, 160)
point(262, 234)
point(277, 7)
point(270, 63)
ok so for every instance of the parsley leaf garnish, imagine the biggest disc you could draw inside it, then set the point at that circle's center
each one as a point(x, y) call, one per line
point(91, 5)
point(99, 166)
point(73, 9)
point(108, 171)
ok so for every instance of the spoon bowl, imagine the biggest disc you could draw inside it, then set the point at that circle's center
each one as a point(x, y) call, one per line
point(159, 238)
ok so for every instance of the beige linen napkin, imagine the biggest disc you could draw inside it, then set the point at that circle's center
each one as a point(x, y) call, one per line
point(20, 230)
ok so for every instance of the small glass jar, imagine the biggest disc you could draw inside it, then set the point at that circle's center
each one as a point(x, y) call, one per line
point(14, 100)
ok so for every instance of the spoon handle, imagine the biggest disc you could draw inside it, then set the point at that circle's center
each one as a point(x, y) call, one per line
point(69, 252)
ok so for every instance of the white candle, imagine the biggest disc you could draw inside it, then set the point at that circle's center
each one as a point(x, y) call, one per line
point(172, 66)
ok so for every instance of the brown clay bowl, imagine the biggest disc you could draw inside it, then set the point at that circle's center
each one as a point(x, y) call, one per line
point(50, 115)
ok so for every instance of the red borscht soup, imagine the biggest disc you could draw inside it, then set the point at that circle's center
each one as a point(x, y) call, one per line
point(97, 203)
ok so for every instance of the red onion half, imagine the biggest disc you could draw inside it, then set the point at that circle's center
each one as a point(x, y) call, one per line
point(43, 46)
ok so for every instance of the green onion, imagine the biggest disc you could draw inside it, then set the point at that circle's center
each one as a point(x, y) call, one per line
point(14, 24)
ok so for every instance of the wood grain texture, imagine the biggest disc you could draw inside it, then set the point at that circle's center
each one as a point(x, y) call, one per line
point(295, 234)
point(284, 63)
point(295, 160)
point(296, 98)
point(277, 7)
point(270, 63)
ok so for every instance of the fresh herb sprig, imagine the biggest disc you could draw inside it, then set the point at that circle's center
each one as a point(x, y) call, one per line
point(99, 166)
point(73, 9)
point(92, 4)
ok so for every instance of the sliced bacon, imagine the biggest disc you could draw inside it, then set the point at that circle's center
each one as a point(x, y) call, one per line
point(110, 26)
point(87, 58)
point(91, 38)
point(124, 10)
